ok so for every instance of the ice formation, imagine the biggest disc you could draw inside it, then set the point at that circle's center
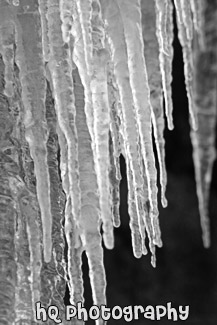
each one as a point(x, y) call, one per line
point(81, 83)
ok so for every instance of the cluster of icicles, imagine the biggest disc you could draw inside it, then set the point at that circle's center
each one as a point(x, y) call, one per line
point(91, 79)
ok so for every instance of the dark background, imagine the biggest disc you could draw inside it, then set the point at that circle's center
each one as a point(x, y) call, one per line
point(186, 272)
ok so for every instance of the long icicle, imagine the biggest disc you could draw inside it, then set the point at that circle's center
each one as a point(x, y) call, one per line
point(31, 212)
point(130, 129)
point(147, 218)
point(134, 208)
point(82, 64)
point(114, 183)
point(27, 282)
point(151, 51)
point(136, 226)
point(53, 277)
point(101, 114)
point(131, 16)
point(30, 62)
point(114, 142)
point(90, 222)
point(60, 66)
point(27, 289)
point(74, 253)
point(29, 209)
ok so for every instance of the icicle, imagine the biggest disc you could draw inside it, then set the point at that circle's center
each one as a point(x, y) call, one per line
point(67, 164)
point(114, 184)
point(131, 16)
point(60, 67)
point(89, 223)
point(57, 195)
point(133, 197)
point(28, 217)
point(114, 143)
point(30, 211)
point(74, 257)
point(147, 218)
point(185, 37)
point(22, 203)
point(75, 249)
point(101, 130)
point(32, 74)
point(166, 57)
point(101, 116)
point(84, 65)
point(137, 231)
point(130, 129)
point(79, 58)
point(119, 57)
point(115, 120)
point(53, 278)
point(151, 51)
point(203, 140)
